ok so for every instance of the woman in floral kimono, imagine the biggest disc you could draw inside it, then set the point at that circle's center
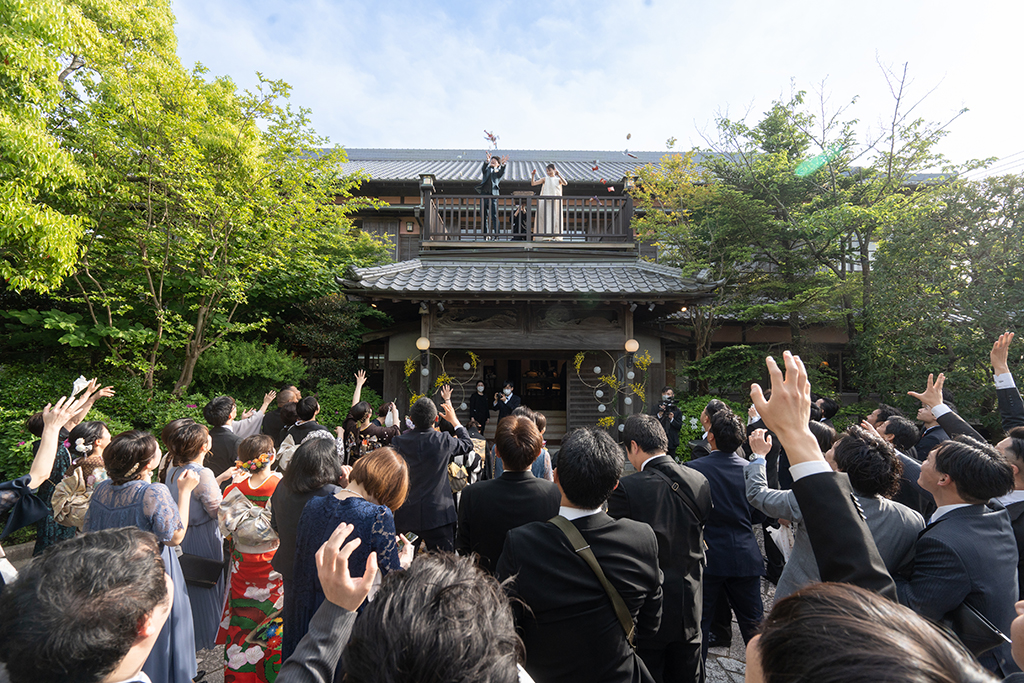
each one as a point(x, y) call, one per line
point(251, 627)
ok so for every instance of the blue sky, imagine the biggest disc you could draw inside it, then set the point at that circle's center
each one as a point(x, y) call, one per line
point(583, 74)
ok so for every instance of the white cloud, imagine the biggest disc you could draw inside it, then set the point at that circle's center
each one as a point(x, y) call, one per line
point(580, 75)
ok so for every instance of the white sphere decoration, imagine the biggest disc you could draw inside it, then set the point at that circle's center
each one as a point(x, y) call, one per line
point(628, 401)
point(462, 406)
point(630, 375)
point(601, 407)
point(622, 427)
point(597, 369)
point(425, 371)
point(599, 393)
point(466, 366)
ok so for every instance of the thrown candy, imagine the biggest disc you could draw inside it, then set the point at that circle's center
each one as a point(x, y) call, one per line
point(629, 135)
point(611, 188)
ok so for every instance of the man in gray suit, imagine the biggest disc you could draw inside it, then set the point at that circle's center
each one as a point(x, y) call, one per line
point(493, 171)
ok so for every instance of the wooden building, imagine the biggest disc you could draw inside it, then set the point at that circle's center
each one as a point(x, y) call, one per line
point(514, 303)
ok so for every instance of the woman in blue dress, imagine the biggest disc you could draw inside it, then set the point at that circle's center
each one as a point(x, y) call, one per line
point(127, 498)
point(189, 445)
point(378, 484)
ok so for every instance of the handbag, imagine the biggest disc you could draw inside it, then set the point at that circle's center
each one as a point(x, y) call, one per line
point(975, 631)
point(458, 477)
point(201, 571)
point(246, 523)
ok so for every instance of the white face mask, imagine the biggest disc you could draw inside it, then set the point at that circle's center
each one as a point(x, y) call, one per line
point(480, 389)
point(507, 391)
point(665, 397)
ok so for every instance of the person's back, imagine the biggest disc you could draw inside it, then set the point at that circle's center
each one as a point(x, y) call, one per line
point(568, 624)
point(488, 510)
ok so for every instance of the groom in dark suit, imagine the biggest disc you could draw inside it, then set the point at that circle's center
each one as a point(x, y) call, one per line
point(675, 501)
point(493, 171)
point(565, 616)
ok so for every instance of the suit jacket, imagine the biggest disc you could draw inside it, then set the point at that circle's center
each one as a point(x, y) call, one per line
point(488, 510)
point(272, 426)
point(646, 497)
point(505, 408)
point(699, 448)
point(491, 179)
point(570, 630)
point(317, 654)
point(672, 421)
point(223, 451)
point(1016, 512)
point(427, 453)
point(729, 532)
point(772, 459)
point(1011, 407)
point(479, 408)
point(910, 493)
point(967, 555)
point(843, 547)
point(930, 439)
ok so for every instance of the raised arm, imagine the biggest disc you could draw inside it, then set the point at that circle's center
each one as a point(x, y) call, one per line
point(1011, 407)
point(53, 419)
point(92, 392)
point(952, 423)
point(843, 546)
point(534, 179)
point(360, 381)
point(772, 502)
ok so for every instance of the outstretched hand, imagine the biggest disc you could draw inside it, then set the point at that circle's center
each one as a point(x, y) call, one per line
point(504, 160)
point(1000, 353)
point(932, 394)
point(760, 442)
point(788, 410)
point(360, 377)
point(446, 393)
point(332, 568)
point(62, 411)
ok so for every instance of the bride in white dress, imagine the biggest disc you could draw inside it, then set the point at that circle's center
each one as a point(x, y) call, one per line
point(549, 211)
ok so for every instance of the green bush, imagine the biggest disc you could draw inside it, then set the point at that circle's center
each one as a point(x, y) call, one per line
point(692, 407)
point(729, 369)
point(852, 414)
point(240, 368)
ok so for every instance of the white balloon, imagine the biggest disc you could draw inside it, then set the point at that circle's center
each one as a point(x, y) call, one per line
point(597, 369)
point(599, 393)
point(601, 407)
point(630, 375)
point(425, 371)
point(466, 366)
point(462, 406)
point(622, 427)
point(628, 401)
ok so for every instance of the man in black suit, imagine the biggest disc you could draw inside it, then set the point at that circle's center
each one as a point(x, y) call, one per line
point(219, 413)
point(506, 401)
point(566, 618)
point(967, 553)
point(675, 501)
point(493, 171)
point(735, 565)
point(902, 434)
point(272, 422)
point(489, 509)
point(429, 510)
point(932, 434)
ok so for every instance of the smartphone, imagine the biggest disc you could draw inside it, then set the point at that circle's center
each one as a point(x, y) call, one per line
point(412, 538)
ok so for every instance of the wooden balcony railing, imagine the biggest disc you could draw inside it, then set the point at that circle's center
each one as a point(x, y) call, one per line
point(469, 218)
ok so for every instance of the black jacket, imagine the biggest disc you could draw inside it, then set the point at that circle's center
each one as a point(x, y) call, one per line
point(427, 453)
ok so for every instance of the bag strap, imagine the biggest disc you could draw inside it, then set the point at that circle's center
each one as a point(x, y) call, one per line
point(674, 485)
point(582, 549)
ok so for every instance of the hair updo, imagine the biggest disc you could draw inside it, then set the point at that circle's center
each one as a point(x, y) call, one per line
point(128, 455)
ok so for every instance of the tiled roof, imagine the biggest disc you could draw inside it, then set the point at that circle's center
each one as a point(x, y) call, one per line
point(453, 164)
point(523, 279)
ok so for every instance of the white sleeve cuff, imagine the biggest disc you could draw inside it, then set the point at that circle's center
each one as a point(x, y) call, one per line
point(940, 410)
point(1004, 381)
point(805, 469)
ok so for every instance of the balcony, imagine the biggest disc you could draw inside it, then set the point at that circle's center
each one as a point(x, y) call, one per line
point(527, 217)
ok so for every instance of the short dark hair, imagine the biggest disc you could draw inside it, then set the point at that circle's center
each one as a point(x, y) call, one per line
point(74, 612)
point(423, 413)
point(870, 639)
point(978, 471)
point(1016, 437)
point(904, 433)
point(190, 441)
point(869, 461)
point(728, 431)
point(385, 476)
point(550, 167)
point(306, 408)
point(524, 411)
point(34, 424)
point(541, 420)
point(713, 406)
point(442, 619)
point(589, 466)
point(128, 454)
point(816, 413)
point(218, 411)
point(829, 407)
point(648, 433)
point(518, 442)
point(88, 432)
point(288, 414)
point(885, 411)
point(668, 388)
point(313, 464)
point(825, 435)
point(508, 383)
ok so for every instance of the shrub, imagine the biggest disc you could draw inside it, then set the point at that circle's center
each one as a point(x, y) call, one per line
point(236, 368)
point(692, 407)
point(336, 399)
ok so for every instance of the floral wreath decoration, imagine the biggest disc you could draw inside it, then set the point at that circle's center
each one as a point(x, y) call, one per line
point(256, 464)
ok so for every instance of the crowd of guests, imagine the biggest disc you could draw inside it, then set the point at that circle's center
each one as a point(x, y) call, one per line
point(382, 553)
